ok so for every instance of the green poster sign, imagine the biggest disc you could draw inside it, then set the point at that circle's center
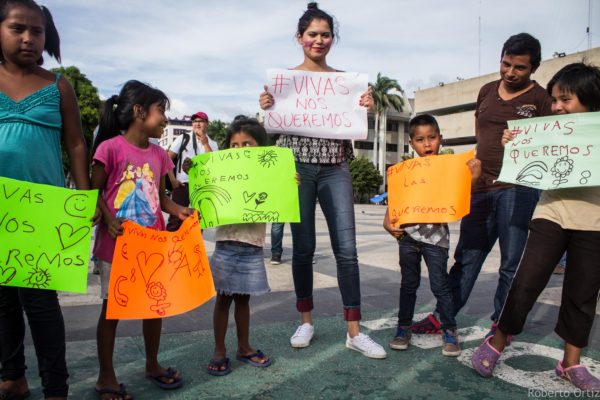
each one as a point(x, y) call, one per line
point(554, 152)
point(45, 235)
point(244, 185)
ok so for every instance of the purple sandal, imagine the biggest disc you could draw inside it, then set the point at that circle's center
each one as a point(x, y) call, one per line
point(579, 376)
point(484, 359)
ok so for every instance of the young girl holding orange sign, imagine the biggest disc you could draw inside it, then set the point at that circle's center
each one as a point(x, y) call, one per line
point(130, 173)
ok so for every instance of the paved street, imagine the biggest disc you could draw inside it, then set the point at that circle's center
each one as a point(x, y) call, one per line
point(326, 369)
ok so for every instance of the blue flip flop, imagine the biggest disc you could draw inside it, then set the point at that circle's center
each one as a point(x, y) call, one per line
point(218, 364)
point(248, 359)
point(169, 374)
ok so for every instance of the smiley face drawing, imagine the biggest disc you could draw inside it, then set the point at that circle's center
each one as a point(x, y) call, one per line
point(38, 278)
point(76, 205)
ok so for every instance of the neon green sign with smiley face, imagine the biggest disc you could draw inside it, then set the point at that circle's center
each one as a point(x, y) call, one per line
point(45, 234)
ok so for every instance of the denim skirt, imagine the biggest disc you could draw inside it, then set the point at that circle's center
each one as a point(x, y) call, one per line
point(239, 268)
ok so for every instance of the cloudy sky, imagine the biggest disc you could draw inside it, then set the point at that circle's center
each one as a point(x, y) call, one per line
point(211, 55)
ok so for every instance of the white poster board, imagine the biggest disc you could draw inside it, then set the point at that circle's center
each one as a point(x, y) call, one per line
point(317, 104)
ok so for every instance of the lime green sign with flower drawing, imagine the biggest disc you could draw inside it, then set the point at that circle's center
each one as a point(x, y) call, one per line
point(244, 185)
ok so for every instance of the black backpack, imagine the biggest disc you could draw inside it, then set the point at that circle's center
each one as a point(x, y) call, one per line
point(179, 159)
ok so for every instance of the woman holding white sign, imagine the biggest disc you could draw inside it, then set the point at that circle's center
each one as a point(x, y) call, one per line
point(324, 174)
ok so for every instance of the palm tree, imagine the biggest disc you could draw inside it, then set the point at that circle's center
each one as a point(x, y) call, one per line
point(384, 97)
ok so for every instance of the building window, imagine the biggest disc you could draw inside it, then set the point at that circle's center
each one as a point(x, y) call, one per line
point(405, 149)
point(392, 126)
point(370, 123)
point(177, 132)
point(363, 145)
point(391, 147)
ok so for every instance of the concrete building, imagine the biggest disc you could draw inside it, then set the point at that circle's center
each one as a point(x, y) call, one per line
point(174, 128)
point(453, 104)
point(396, 136)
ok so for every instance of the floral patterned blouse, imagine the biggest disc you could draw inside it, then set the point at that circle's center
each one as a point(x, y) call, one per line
point(317, 150)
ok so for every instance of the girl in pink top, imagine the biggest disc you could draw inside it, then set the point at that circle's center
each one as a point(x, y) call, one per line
point(130, 173)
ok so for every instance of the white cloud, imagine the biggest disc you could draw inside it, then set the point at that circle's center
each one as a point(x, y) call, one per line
point(212, 55)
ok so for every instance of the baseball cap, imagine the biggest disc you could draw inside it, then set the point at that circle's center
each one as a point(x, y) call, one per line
point(200, 115)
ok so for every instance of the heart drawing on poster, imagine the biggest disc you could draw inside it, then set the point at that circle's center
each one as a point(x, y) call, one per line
point(248, 196)
point(69, 236)
point(7, 274)
point(149, 264)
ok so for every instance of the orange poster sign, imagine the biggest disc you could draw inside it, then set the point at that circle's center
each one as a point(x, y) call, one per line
point(157, 274)
point(430, 189)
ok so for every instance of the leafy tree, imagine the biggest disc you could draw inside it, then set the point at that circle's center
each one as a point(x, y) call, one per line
point(89, 104)
point(384, 97)
point(217, 130)
point(366, 180)
point(447, 150)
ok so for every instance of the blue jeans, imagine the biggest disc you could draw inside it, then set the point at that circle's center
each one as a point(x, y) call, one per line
point(332, 185)
point(47, 330)
point(436, 260)
point(502, 215)
point(277, 238)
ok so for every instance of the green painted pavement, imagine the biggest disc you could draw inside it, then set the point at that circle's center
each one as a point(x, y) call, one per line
point(325, 370)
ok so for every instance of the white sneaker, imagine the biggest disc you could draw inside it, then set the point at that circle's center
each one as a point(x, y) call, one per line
point(303, 335)
point(365, 345)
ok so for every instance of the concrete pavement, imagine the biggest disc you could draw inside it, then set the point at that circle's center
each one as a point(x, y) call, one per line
point(326, 369)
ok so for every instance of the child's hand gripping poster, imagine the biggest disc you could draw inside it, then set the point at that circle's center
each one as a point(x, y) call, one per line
point(554, 152)
point(430, 189)
point(158, 274)
point(244, 185)
point(45, 234)
point(317, 104)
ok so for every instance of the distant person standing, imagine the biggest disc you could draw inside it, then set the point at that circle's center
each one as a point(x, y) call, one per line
point(198, 143)
point(276, 242)
point(560, 267)
point(499, 211)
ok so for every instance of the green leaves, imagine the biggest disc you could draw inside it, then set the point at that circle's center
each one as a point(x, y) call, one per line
point(365, 179)
point(89, 104)
point(217, 130)
point(383, 96)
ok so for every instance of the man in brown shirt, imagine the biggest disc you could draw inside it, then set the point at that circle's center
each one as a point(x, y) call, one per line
point(499, 211)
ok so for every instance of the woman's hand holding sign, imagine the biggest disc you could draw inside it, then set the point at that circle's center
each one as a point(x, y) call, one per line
point(266, 99)
point(366, 100)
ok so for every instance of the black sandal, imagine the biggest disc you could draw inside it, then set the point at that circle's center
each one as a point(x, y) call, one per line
point(221, 367)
